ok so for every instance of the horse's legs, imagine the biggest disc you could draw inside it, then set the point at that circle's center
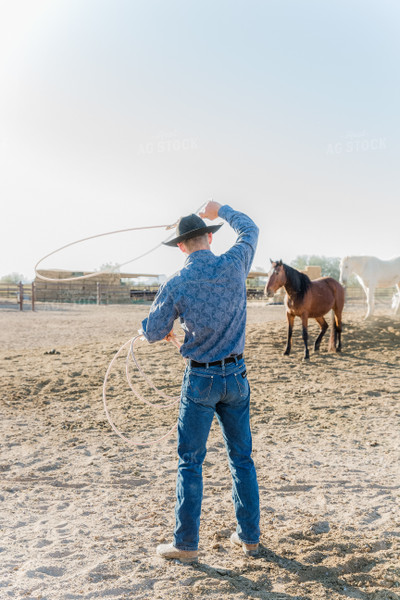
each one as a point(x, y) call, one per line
point(336, 335)
point(366, 292)
point(304, 320)
point(324, 326)
point(370, 291)
point(396, 303)
point(290, 319)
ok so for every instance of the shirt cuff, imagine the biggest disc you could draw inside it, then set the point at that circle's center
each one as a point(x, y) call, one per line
point(225, 212)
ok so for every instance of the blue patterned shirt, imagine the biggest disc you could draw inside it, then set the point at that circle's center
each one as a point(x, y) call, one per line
point(208, 295)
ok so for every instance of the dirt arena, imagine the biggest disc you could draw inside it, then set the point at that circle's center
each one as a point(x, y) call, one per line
point(82, 512)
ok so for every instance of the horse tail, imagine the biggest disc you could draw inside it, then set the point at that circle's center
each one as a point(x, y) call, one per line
point(334, 333)
point(338, 292)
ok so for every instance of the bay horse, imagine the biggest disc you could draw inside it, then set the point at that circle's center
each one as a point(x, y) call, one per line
point(372, 273)
point(308, 300)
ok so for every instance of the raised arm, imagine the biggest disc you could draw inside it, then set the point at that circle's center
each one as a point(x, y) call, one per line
point(244, 248)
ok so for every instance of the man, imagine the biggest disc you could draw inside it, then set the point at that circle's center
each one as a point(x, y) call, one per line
point(208, 295)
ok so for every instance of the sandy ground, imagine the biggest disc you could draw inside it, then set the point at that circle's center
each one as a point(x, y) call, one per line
point(82, 512)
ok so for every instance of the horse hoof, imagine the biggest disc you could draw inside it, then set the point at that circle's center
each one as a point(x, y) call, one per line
point(338, 349)
point(286, 353)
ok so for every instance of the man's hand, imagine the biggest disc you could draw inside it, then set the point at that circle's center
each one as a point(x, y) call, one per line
point(170, 336)
point(211, 210)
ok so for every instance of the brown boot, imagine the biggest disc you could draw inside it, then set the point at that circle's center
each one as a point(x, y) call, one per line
point(169, 551)
point(248, 549)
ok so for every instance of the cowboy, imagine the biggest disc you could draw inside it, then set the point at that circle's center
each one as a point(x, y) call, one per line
point(208, 295)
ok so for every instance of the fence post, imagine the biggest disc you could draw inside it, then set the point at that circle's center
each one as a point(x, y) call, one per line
point(21, 296)
point(33, 295)
point(98, 293)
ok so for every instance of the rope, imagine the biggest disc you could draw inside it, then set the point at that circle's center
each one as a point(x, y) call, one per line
point(137, 394)
point(147, 379)
point(130, 342)
point(92, 237)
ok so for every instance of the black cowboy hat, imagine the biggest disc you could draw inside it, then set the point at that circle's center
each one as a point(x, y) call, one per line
point(190, 227)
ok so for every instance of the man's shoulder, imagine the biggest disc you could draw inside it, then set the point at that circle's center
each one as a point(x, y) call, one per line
point(173, 280)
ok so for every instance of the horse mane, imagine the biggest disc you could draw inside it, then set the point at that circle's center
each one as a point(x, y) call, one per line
point(299, 282)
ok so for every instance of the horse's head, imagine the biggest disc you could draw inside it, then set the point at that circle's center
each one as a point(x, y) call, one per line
point(276, 278)
point(344, 270)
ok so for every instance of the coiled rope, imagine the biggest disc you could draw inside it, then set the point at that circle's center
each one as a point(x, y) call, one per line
point(131, 354)
point(130, 342)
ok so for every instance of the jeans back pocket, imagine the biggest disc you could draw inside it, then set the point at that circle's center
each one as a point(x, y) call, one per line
point(243, 384)
point(197, 386)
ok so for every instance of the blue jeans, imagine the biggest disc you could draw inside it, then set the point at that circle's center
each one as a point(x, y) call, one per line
point(223, 390)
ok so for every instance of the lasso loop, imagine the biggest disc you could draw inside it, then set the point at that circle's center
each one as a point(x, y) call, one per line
point(92, 237)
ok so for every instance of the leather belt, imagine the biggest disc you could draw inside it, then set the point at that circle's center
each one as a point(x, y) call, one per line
point(217, 363)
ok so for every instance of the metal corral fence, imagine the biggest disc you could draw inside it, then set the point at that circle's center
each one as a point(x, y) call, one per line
point(16, 295)
point(356, 295)
point(42, 295)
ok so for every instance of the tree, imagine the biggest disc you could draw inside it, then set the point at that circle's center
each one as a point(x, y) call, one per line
point(12, 278)
point(330, 266)
point(109, 268)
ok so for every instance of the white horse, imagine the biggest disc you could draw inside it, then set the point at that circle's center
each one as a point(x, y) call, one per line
point(372, 272)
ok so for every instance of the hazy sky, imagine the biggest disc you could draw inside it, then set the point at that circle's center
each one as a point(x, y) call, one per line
point(122, 113)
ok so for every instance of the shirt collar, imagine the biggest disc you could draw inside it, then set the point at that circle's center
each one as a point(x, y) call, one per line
point(196, 256)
